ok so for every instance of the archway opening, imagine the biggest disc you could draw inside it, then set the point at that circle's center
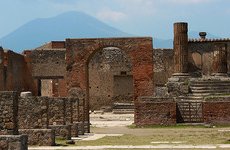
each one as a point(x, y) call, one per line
point(110, 85)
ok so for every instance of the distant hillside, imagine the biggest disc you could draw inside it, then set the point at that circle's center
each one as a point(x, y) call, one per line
point(67, 25)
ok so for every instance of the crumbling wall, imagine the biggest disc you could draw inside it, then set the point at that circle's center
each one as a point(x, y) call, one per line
point(9, 113)
point(14, 75)
point(39, 137)
point(40, 112)
point(48, 64)
point(13, 142)
point(155, 111)
point(104, 69)
point(163, 69)
point(206, 49)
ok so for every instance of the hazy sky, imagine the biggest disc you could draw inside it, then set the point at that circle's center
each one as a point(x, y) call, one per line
point(140, 17)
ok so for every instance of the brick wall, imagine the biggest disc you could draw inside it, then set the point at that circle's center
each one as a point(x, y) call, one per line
point(14, 74)
point(217, 110)
point(155, 111)
point(8, 112)
point(139, 50)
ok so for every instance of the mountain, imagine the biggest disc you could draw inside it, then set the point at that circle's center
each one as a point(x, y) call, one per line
point(66, 25)
point(168, 43)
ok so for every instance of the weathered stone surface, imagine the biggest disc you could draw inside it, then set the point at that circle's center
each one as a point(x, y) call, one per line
point(14, 74)
point(63, 131)
point(48, 63)
point(139, 50)
point(41, 137)
point(13, 142)
point(9, 112)
point(178, 88)
point(180, 47)
point(25, 94)
point(40, 112)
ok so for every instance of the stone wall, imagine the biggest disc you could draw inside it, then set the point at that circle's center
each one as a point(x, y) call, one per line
point(40, 112)
point(13, 142)
point(163, 65)
point(47, 64)
point(107, 65)
point(8, 112)
point(205, 49)
point(155, 111)
point(33, 112)
point(39, 137)
point(216, 110)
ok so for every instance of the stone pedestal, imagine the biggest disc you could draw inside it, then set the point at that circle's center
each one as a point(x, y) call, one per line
point(178, 83)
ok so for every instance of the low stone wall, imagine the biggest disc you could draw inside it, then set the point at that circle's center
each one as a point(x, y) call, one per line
point(13, 142)
point(40, 112)
point(155, 111)
point(39, 137)
point(8, 112)
point(216, 110)
point(63, 131)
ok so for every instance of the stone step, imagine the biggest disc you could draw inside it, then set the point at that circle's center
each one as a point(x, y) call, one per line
point(206, 94)
point(210, 91)
point(123, 111)
point(211, 82)
point(209, 87)
point(123, 106)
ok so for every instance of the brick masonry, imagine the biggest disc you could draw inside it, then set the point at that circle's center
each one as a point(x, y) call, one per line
point(139, 50)
point(155, 111)
point(14, 74)
point(217, 110)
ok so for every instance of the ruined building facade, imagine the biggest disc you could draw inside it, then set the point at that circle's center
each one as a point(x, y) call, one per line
point(189, 83)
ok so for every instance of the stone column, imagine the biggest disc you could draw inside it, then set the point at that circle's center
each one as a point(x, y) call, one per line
point(180, 47)
point(220, 60)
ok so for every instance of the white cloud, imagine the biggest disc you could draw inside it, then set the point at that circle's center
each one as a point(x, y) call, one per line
point(110, 15)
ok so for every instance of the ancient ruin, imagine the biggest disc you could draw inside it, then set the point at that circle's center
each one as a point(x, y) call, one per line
point(67, 79)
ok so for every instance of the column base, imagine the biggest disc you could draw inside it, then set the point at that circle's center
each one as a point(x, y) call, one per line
point(220, 74)
point(179, 77)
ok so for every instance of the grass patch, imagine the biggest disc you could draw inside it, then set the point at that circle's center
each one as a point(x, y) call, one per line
point(133, 126)
point(194, 136)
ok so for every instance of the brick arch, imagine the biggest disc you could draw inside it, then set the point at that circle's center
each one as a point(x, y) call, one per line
point(139, 50)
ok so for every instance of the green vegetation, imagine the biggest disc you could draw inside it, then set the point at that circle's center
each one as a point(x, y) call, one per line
point(147, 136)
